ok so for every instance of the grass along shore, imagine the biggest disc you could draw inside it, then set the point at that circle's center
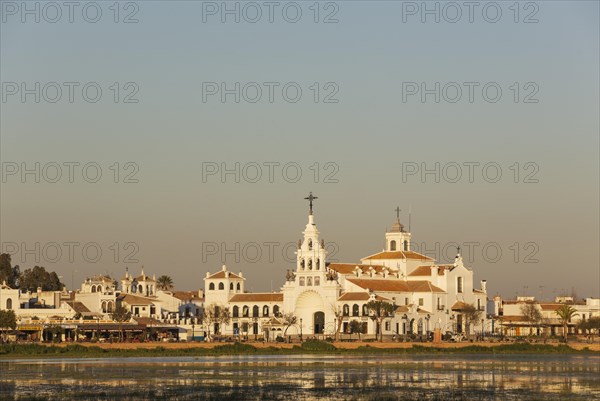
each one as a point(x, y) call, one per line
point(11, 351)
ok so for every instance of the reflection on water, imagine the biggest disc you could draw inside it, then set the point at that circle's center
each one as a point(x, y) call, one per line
point(305, 378)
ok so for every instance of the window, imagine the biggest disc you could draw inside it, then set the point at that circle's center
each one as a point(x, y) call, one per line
point(421, 302)
point(309, 281)
point(140, 289)
point(392, 245)
point(439, 303)
point(255, 311)
point(236, 311)
point(309, 264)
point(99, 288)
point(301, 281)
point(265, 310)
point(317, 281)
point(103, 306)
point(231, 286)
point(9, 304)
point(211, 287)
point(109, 307)
point(479, 304)
point(346, 310)
point(93, 288)
point(318, 265)
point(239, 287)
point(387, 325)
point(276, 310)
point(245, 311)
point(365, 310)
point(355, 310)
point(459, 284)
point(310, 245)
point(221, 286)
point(405, 301)
point(406, 245)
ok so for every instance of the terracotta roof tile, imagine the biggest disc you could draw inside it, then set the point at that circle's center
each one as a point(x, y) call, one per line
point(397, 255)
point(221, 274)
point(258, 297)
point(135, 300)
point(394, 285)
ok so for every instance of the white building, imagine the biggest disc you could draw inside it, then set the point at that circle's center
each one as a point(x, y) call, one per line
point(324, 296)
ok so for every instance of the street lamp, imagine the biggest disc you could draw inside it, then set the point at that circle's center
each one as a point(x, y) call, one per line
point(301, 329)
point(335, 328)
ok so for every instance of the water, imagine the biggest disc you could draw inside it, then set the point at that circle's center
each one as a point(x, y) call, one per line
point(427, 377)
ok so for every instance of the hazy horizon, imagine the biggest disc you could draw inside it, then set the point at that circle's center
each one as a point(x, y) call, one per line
point(385, 108)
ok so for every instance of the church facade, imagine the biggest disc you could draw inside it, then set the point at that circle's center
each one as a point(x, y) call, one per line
point(325, 297)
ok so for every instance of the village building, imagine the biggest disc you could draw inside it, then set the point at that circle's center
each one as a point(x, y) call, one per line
point(324, 296)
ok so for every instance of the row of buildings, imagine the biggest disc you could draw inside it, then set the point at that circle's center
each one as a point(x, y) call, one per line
point(323, 297)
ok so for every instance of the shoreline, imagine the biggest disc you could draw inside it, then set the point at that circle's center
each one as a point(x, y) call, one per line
point(95, 350)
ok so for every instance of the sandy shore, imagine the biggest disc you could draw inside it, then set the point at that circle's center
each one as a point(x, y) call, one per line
point(346, 345)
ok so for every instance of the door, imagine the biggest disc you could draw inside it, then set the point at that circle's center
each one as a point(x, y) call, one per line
point(319, 319)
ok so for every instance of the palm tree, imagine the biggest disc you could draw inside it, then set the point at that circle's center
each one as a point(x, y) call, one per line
point(381, 310)
point(164, 283)
point(565, 312)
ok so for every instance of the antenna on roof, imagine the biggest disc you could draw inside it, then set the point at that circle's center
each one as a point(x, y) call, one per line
point(409, 215)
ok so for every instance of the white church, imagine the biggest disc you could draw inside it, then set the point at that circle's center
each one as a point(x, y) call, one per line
point(326, 296)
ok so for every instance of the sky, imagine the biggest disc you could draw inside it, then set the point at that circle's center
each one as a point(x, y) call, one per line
point(182, 135)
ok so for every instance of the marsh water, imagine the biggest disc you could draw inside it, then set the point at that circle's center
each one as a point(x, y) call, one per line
point(309, 377)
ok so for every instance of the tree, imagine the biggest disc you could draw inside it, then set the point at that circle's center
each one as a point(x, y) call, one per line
point(339, 317)
point(217, 314)
point(381, 310)
point(356, 327)
point(165, 283)
point(7, 272)
point(565, 312)
point(120, 315)
point(31, 279)
point(8, 321)
point(471, 315)
point(532, 315)
point(590, 325)
point(288, 319)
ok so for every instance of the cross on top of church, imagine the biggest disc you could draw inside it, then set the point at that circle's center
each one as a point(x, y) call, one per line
point(398, 210)
point(310, 199)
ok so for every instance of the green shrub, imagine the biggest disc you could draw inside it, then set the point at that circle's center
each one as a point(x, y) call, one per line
point(316, 345)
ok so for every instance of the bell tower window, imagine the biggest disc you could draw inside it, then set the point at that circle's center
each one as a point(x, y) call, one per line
point(392, 245)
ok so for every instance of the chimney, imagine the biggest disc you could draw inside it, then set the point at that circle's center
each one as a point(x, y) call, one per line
point(207, 274)
point(433, 271)
point(240, 274)
point(484, 285)
point(224, 268)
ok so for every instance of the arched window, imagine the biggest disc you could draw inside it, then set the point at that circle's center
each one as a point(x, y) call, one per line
point(318, 264)
point(211, 287)
point(133, 289)
point(309, 281)
point(310, 245)
point(346, 310)
point(276, 310)
point(236, 311)
point(103, 306)
point(265, 310)
point(231, 286)
point(365, 310)
point(109, 307)
point(221, 286)
point(392, 245)
point(355, 310)
point(317, 281)
point(245, 311)
point(99, 288)
point(255, 311)
point(9, 304)
point(301, 281)
point(420, 326)
point(239, 287)
point(302, 264)
point(93, 288)
point(140, 289)
point(309, 264)
point(406, 245)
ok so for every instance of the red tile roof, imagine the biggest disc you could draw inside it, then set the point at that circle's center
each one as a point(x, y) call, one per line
point(258, 297)
point(221, 274)
point(350, 268)
point(397, 255)
point(394, 285)
point(135, 300)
